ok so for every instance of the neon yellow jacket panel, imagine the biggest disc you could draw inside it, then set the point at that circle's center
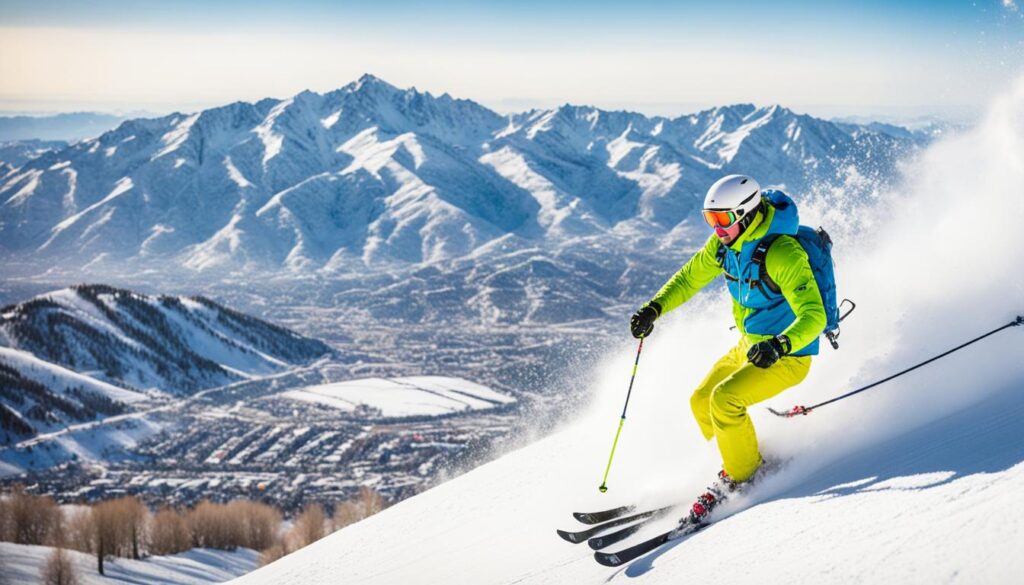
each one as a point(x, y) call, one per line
point(786, 263)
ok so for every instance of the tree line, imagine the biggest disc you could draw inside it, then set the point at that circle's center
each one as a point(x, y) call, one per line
point(127, 528)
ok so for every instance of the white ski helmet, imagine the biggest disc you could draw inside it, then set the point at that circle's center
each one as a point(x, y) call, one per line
point(733, 198)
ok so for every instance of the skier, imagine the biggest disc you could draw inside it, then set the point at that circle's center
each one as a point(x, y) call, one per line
point(779, 318)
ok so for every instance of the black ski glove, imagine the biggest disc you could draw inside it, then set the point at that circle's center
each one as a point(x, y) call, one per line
point(765, 353)
point(642, 322)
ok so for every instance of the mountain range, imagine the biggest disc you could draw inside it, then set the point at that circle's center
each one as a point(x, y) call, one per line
point(373, 177)
point(65, 127)
point(15, 153)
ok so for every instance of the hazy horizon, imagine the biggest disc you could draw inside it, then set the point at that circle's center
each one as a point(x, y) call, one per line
point(654, 57)
point(517, 105)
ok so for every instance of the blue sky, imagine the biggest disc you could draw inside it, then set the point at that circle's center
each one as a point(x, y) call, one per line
point(828, 58)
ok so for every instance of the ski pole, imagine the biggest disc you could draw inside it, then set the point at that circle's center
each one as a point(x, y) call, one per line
point(807, 409)
point(604, 482)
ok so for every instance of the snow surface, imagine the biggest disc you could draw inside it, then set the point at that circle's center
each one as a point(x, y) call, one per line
point(916, 481)
point(236, 175)
point(406, 396)
point(932, 512)
point(21, 565)
point(124, 184)
point(271, 140)
point(173, 139)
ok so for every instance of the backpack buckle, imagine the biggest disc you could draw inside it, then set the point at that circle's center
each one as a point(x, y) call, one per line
point(833, 336)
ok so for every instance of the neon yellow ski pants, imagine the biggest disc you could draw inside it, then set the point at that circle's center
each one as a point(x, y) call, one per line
point(720, 404)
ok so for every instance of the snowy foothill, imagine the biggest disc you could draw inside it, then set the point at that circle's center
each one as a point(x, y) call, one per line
point(57, 377)
point(77, 359)
point(404, 396)
point(97, 442)
point(915, 481)
point(151, 338)
point(21, 565)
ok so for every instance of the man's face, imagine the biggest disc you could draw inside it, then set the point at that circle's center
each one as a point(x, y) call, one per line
point(728, 235)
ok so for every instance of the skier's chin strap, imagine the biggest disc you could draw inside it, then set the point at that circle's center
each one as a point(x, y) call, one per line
point(805, 410)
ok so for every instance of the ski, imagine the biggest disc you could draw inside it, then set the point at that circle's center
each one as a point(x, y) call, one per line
point(578, 537)
point(602, 516)
point(695, 521)
point(621, 557)
point(599, 542)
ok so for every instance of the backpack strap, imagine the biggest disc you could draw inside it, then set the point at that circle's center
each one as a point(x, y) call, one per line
point(720, 258)
point(758, 259)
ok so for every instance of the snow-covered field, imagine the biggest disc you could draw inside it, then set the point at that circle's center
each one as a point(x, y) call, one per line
point(21, 565)
point(405, 396)
point(917, 481)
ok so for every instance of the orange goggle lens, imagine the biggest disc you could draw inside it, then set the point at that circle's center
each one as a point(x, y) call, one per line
point(719, 218)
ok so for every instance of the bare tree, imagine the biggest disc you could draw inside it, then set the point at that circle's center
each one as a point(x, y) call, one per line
point(169, 533)
point(58, 569)
point(106, 531)
point(79, 533)
point(272, 553)
point(31, 519)
point(6, 523)
point(259, 523)
point(215, 526)
point(309, 526)
point(133, 516)
point(367, 503)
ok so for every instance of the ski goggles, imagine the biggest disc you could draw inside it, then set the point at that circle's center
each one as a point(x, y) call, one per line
point(721, 219)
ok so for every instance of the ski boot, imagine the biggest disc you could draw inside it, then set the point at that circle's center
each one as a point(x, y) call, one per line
point(722, 488)
point(717, 493)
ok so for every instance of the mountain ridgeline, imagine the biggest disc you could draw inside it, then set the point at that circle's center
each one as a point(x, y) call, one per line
point(93, 351)
point(372, 176)
point(175, 344)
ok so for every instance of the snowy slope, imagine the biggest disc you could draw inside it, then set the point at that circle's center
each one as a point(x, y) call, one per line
point(174, 344)
point(71, 363)
point(17, 152)
point(916, 481)
point(935, 511)
point(21, 565)
point(38, 396)
point(63, 379)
